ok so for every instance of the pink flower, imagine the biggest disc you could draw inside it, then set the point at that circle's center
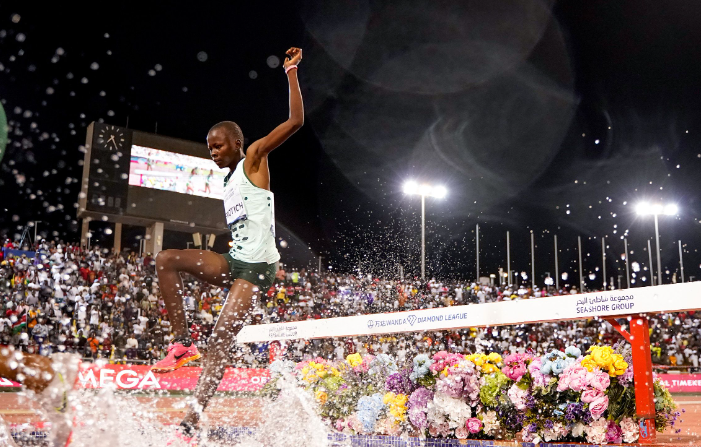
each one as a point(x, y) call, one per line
point(474, 425)
point(613, 433)
point(574, 377)
point(534, 369)
point(439, 429)
point(388, 427)
point(598, 406)
point(518, 396)
point(515, 366)
point(340, 424)
point(353, 423)
point(591, 395)
point(461, 433)
point(630, 430)
point(598, 379)
point(301, 365)
point(365, 365)
point(442, 360)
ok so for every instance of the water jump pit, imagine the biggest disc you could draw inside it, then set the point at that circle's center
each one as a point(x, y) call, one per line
point(149, 416)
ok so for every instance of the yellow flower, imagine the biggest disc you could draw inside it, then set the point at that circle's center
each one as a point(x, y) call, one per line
point(321, 396)
point(335, 372)
point(618, 366)
point(488, 368)
point(354, 360)
point(589, 363)
point(477, 359)
point(305, 370)
point(602, 357)
point(397, 405)
point(494, 357)
point(321, 374)
point(387, 398)
point(311, 378)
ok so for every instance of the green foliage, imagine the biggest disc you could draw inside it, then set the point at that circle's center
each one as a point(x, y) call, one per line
point(495, 383)
point(621, 401)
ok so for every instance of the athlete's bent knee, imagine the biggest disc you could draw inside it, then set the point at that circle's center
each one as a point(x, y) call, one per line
point(167, 259)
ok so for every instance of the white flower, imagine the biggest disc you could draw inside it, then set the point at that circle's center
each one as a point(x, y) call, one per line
point(596, 431)
point(631, 433)
point(490, 421)
point(578, 430)
point(553, 434)
point(448, 409)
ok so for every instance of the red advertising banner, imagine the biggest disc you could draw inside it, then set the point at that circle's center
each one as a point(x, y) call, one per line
point(681, 383)
point(140, 377)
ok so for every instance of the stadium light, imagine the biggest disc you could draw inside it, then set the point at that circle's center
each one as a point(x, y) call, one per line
point(645, 209)
point(411, 187)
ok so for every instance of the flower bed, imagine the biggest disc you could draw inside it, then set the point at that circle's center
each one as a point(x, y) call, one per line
point(561, 396)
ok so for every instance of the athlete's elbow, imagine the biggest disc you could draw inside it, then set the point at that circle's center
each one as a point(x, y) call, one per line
point(296, 123)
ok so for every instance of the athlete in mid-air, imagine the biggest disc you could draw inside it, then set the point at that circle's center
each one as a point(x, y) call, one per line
point(248, 269)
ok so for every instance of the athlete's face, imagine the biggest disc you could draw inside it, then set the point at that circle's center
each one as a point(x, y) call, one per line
point(224, 150)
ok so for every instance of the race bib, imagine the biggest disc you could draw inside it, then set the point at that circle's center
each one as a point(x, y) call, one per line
point(233, 205)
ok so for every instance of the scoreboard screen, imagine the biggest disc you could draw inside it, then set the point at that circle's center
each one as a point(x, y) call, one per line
point(170, 171)
point(136, 178)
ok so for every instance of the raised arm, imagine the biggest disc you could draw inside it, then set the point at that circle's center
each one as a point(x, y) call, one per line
point(261, 148)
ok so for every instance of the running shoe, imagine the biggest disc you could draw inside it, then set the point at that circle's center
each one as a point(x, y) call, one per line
point(54, 398)
point(179, 354)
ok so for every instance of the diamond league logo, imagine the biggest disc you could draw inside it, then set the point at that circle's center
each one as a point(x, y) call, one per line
point(371, 323)
point(411, 319)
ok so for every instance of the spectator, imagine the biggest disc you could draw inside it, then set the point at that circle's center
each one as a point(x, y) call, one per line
point(115, 298)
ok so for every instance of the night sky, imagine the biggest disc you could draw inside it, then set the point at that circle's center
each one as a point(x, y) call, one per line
point(550, 117)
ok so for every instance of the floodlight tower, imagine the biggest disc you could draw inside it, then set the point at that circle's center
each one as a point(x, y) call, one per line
point(645, 209)
point(424, 190)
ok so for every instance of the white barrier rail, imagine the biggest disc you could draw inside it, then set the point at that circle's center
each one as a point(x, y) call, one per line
point(648, 300)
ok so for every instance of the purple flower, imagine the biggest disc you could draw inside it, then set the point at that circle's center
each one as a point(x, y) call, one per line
point(418, 402)
point(418, 419)
point(399, 383)
point(420, 398)
point(462, 382)
point(627, 378)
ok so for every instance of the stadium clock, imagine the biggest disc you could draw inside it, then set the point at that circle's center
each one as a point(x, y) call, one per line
point(111, 138)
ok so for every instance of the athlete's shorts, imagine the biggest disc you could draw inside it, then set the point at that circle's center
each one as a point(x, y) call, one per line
point(260, 274)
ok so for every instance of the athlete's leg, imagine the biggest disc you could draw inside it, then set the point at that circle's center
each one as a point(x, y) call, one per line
point(231, 320)
point(202, 264)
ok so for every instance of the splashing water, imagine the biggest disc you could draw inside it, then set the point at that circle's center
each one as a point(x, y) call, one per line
point(109, 419)
point(290, 420)
point(117, 419)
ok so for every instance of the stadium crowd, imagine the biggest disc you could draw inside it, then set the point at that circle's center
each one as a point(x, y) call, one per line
point(107, 305)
